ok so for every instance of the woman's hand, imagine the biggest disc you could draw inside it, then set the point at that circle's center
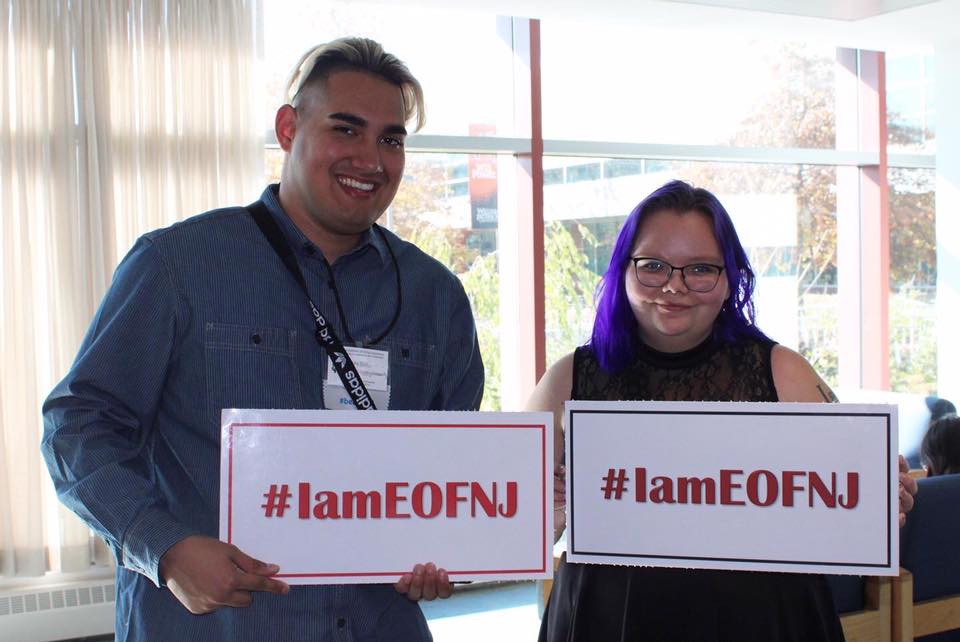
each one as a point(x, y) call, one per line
point(908, 488)
point(559, 500)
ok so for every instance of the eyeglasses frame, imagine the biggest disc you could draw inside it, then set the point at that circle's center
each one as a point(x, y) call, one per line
point(673, 268)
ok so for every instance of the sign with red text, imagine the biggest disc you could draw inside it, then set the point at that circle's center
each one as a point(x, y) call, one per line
point(337, 497)
point(791, 487)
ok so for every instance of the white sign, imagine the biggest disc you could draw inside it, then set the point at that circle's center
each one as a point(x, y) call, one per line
point(338, 497)
point(747, 486)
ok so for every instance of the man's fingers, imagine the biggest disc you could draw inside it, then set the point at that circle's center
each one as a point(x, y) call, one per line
point(427, 582)
point(403, 584)
point(430, 582)
point(416, 584)
point(254, 582)
point(444, 587)
point(239, 599)
point(251, 564)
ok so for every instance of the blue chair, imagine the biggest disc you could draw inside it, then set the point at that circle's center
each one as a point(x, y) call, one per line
point(927, 597)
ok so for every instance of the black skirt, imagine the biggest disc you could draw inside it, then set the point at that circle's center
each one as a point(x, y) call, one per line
point(592, 602)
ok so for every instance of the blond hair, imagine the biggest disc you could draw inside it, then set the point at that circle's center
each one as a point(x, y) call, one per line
point(357, 54)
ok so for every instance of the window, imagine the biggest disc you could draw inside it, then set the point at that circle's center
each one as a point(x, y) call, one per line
point(913, 281)
point(659, 86)
point(466, 71)
point(911, 110)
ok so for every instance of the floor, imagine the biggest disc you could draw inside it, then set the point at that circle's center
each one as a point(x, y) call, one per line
point(505, 613)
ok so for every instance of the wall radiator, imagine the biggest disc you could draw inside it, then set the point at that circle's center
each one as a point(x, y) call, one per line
point(45, 612)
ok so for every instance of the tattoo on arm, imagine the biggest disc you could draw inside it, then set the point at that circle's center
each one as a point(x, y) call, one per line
point(827, 394)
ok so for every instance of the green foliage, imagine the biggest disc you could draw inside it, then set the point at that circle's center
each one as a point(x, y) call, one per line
point(482, 283)
point(819, 317)
point(913, 242)
point(569, 285)
point(913, 345)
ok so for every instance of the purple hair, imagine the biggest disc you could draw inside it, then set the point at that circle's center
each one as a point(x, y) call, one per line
point(615, 339)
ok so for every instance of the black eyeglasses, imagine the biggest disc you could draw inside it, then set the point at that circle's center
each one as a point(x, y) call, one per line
point(698, 277)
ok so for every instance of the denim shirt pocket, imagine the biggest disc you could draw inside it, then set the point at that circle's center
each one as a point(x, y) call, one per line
point(250, 367)
point(414, 368)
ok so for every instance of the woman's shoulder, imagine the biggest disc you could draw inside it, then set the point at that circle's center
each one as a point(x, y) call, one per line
point(788, 362)
point(555, 385)
point(795, 379)
point(564, 365)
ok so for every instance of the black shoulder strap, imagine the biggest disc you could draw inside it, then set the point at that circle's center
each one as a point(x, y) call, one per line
point(325, 336)
point(271, 231)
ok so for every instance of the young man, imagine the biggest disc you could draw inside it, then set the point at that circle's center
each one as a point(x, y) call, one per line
point(205, 315)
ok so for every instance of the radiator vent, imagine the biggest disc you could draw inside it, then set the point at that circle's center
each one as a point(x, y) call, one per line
point(76, 609)
point(56, 599)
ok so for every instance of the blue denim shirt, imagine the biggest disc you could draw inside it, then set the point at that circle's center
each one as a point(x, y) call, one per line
point(203, 316)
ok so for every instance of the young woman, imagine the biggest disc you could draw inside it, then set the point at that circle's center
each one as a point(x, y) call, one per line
point(675, 321)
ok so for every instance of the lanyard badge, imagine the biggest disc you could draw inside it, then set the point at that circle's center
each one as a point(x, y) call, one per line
point(374, 368)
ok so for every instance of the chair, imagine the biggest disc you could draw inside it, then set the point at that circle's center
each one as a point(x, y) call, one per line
point(864, 605)
point(927, 595)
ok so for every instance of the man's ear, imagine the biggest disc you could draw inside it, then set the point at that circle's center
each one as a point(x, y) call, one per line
point(285, 126)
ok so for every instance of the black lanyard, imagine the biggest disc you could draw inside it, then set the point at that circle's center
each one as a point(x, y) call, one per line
point(396, 310)
point(325, 336)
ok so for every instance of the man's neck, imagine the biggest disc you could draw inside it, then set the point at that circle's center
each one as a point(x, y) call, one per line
point(332, 245)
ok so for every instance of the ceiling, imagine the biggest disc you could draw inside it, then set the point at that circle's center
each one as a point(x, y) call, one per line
point(866, 24)
point(846, 10)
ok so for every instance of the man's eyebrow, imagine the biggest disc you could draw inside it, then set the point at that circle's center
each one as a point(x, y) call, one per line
point(357, 121)
point(348, 118)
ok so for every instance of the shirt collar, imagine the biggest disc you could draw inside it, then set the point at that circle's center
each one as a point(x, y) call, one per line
point(303, 246)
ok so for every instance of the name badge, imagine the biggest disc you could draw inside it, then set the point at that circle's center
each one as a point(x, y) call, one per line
point(374, 368)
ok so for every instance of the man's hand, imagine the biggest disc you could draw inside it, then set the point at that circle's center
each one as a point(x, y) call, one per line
point(426, 582)
point(206, 574)
point(908, 488)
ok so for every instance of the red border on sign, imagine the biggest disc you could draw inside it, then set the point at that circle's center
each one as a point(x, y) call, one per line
point(543, 472)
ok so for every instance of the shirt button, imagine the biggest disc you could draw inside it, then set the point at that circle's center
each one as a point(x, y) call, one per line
point(255, 338)
point(341, 622)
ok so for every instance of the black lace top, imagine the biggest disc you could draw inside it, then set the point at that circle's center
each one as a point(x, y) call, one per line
point(709, 372)
point(605, 603)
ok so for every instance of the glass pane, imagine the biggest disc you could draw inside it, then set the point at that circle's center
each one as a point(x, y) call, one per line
point(463, 60)
point(448, 206)
point(785, 216)
point(272, 163)
point(672, 87)
point(913, 281)
point(911, 112)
